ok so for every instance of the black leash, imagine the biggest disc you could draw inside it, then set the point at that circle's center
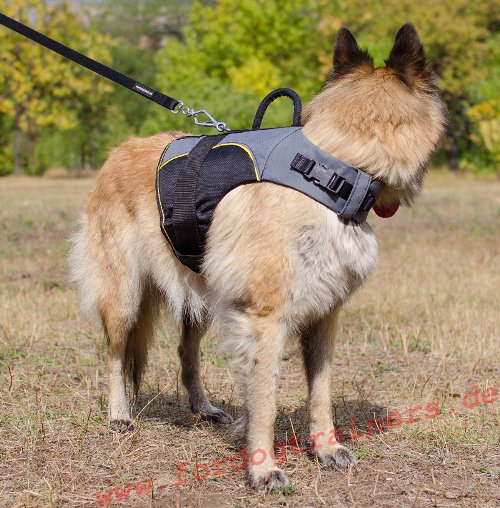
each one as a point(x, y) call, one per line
point(170, 103)
point(89, 63)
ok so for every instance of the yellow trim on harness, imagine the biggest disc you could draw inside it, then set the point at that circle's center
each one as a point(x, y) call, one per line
point(246, 149)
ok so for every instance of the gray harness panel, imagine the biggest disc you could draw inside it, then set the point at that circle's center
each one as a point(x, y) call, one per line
point(283, 156)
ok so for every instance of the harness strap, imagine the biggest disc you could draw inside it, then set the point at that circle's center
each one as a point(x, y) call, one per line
point(360, 190)
point(359, 196)
point(322, 176)
point(184, 219)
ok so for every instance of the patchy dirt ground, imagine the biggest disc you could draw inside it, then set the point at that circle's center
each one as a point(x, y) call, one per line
point(419, 337)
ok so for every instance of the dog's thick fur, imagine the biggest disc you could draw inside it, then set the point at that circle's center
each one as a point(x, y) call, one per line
point(277, 263)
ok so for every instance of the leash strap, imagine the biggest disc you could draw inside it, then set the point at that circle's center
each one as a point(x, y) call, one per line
point(184, 218)
point(89, 63)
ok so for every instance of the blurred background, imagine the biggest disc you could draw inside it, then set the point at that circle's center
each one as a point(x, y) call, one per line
point(224, 56)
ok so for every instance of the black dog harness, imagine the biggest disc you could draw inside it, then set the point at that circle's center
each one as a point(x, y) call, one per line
point(196, 172)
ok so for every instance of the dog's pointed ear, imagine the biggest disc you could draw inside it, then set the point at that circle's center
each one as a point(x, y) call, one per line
point(407, 57)
point(347, 55)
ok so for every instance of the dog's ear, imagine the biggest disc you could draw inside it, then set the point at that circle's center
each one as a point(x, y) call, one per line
point(347, 55)
point(407, 58)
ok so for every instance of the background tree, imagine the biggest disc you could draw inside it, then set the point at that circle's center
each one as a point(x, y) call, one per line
point(140, 28)
point(234, 53)
point(39, 89)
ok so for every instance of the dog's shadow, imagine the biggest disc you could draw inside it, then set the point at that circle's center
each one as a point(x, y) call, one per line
point(350, 417)
point(173, 409)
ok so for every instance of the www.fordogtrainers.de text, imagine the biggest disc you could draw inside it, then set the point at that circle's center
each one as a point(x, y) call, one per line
point(187, 471)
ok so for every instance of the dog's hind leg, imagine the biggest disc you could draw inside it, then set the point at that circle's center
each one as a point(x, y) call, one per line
point(112, 284)
point(118, 406)
point(128, 341)
point(318, 348)
point(189, 354)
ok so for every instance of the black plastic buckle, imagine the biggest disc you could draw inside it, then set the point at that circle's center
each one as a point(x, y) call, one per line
point(302, 164)
point(335, 183)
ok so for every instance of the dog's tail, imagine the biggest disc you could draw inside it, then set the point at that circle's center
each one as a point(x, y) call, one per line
point(126, 306)
point(140, 338)
point(82, 273)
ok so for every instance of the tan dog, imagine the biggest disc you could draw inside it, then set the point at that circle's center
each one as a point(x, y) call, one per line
point(277, 264)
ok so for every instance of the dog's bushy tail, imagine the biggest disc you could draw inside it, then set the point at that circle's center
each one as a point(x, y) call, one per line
point(103, 299)
point(82, 275)
point(140, 338)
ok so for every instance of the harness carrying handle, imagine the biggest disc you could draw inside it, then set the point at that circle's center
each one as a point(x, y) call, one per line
point(272, 96)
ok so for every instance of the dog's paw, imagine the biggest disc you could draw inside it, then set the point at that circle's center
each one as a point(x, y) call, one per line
point(268, 480)
point(213, 414)
point(218, 416)
point(121, 426)
point(340, 458)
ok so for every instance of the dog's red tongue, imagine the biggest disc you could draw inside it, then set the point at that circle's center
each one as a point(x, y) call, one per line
point(385, 211)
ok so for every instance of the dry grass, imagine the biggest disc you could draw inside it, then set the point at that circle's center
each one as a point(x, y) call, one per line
point(424, 329)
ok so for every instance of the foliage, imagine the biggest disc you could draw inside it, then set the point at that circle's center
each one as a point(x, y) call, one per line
point(224, 56)
point(233, 54)
point(484, 117)
point(39, 89)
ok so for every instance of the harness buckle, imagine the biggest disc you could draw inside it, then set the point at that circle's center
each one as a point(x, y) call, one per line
point(336, 183)
point(302, 164)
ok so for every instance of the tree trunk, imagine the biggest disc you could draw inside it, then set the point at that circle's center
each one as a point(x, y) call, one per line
point(83, 154)
point(18, 142)
point(453, 154)
point(453, 136)
point(30, 144)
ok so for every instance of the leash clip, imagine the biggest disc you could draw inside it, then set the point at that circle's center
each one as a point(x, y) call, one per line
point(211, 122)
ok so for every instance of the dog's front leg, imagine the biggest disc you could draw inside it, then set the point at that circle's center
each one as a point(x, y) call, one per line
point(318, 348)
point(261, 341)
